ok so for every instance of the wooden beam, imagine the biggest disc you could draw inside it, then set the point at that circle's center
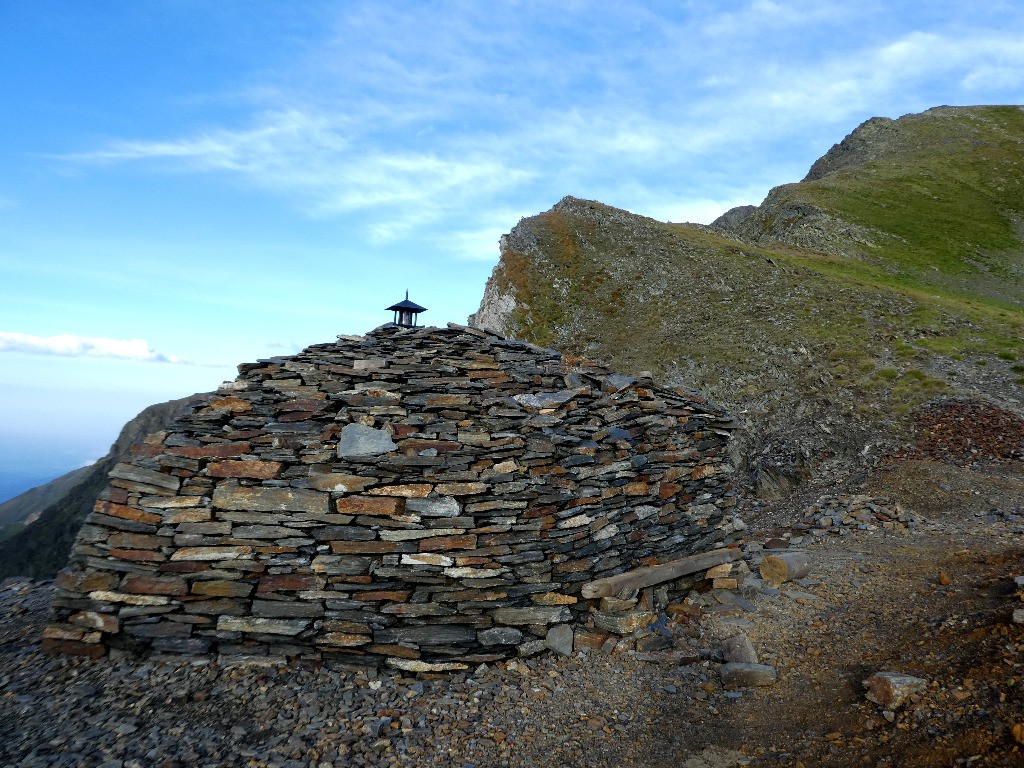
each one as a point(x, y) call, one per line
point(785, 566)
point(639, 578)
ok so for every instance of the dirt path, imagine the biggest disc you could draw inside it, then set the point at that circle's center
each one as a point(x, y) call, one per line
point(883, 608)
point(936, 604)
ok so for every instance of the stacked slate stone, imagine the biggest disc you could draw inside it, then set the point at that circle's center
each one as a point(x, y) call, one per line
point(425, 498)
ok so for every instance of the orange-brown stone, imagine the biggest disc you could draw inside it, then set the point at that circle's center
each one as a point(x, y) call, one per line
point(222, 588)
point(445, 543)
point(230, 403)
point(370, 505)
point(289, 582)
point(590, 638)
point(667, 490)
point(398, 651)
point(154, 585)
point(137, 555)
point(365, 547)
point(635, 489)
point(409, 491)
point(295, 416)
point(126, 513)
point(73, 647)
point(415, 445)
point(704, 470)
point(256, 470)
point(554, 598)
point(215, 451)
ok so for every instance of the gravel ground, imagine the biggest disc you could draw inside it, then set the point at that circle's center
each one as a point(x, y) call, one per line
point(127, 713)
point(934, 602)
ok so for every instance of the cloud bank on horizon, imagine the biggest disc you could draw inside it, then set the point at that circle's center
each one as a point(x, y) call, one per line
point(67, 345)
point(208, 179)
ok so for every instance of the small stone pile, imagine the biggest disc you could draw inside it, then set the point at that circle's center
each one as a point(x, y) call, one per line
point(840, 515)
point(425, 498)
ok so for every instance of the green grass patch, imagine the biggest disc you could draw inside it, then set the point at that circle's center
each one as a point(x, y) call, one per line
point(915, 386)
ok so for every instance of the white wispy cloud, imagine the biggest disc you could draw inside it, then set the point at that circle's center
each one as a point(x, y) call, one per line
point(413, 117)
point(69, 345)
point(310, 154)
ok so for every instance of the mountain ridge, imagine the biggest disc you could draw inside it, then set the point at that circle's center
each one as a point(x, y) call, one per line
point(52, 513)
point(822, 328)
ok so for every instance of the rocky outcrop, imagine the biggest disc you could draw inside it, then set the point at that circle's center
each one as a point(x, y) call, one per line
point(497, 304)
point(426, 498)
point(780, 218)
point(868, 142)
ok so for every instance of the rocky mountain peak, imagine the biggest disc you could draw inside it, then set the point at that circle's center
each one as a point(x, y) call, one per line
point(823, 316)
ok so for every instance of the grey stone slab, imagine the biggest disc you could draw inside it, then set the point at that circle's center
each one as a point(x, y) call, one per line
point(738, 648)
point(748, 675)
point(500, 636)
point(360, 440)
point(536, 615)
point(136, 474)
point(444, 506)
point(560, 639)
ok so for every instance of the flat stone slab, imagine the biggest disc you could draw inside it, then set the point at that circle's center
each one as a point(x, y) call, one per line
point(255, 625)
point(258, 499)
point(748, 675)
point(538, 615)
point(360, 440)
point(146, 476)
point(560, 639)
point(500, 636)
point(739, 649)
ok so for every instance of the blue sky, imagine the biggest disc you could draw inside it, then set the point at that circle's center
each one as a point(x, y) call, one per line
point(186, 185)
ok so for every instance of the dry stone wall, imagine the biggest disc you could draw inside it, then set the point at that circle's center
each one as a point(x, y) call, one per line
point(424, 498)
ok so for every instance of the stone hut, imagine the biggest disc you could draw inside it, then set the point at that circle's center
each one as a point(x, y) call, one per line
point(424, 498)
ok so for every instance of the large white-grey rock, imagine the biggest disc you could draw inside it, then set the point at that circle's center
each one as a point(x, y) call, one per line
point(444, 506)
point(360, 440)
point(891, 689)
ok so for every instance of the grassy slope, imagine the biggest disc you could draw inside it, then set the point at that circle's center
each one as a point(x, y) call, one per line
point(949, 199)
point(835, 348)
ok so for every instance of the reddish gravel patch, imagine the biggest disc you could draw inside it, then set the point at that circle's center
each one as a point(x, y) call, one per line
point(964, 433)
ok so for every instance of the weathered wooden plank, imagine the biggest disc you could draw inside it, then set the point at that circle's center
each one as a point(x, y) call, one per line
point(656, 574)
